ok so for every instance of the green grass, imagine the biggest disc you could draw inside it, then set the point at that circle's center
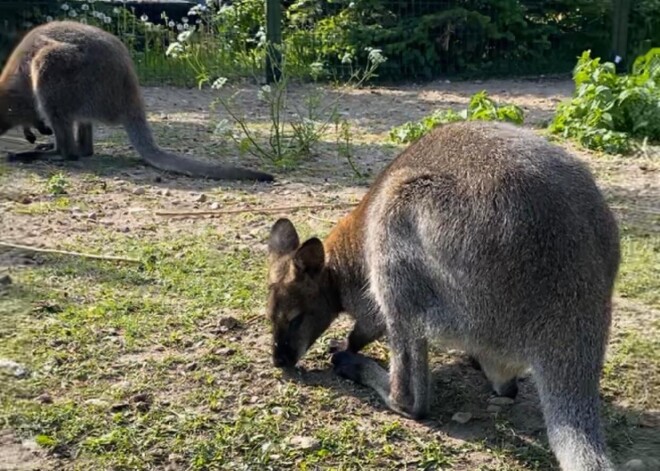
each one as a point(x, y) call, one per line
point(142, 377)
point(640, 268)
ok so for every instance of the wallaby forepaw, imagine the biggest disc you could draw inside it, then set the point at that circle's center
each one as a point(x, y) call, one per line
point(348, 365)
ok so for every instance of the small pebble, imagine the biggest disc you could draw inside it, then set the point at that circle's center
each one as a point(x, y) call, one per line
point(5, 280)
point(305, 443)
point(138, 191)
point(44, 399)
point(166, 192)
point(501, 401)
point(215, 206)
point(200, 198)
point(461, 417)
point(11, 367)
point(225, 351)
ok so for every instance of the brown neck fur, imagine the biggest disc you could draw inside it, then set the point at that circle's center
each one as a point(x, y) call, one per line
point(344, 252)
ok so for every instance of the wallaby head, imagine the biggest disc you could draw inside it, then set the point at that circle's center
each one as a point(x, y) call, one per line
point(300, 305)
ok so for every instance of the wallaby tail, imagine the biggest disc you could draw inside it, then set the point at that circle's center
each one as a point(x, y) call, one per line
point(570, 401)
point(140, 135)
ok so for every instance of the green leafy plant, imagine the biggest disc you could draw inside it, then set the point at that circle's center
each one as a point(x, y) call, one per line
point(57, 184)
point(480, 108)
point(608, 110)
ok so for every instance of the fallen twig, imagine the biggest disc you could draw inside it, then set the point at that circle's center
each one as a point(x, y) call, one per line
point(64, 252)
point(253, 210)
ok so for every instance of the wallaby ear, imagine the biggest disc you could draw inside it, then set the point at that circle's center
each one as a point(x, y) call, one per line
point(283, 238)
point(310, 257)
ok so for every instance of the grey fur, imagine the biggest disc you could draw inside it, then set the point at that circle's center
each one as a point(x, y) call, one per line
point(73, 75)
point(484, 237)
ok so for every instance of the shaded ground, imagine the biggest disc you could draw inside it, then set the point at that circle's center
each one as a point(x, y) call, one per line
point(166, 365)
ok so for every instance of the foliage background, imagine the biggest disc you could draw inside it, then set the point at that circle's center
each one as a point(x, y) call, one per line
point(422, 39)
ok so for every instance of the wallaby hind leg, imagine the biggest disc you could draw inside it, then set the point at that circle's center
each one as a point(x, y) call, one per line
point(85, 139)
point(502, 375)
point(405, 389)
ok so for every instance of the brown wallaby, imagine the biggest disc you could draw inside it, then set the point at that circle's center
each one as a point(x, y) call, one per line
point(73, 75)
point(484, 237)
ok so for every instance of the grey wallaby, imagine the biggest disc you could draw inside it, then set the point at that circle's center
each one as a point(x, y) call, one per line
point(480, 236)
point(72, 75)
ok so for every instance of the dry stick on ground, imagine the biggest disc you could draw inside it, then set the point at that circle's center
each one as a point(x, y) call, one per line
point(64, 252)
point(253, 210)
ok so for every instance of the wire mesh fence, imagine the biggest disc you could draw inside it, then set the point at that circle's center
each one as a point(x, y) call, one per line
point(188, 42)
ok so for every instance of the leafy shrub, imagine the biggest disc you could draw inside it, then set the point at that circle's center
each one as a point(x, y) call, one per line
point(607, 109)
point(480, 108)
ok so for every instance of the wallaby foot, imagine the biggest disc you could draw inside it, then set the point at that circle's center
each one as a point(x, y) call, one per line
point(45, 147)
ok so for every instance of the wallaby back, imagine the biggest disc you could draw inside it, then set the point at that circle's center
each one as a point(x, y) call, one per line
point(481, 236)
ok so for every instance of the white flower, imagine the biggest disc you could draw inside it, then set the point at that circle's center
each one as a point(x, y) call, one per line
point(219, 83)
point(186, 26)
point(179, 27)
point(65, 7)
point(115, 11)
point(376, 56)
point(346, 58)
point(84, 7)
point(73, 13)
point(171, 24)
point(107, 20)
point(49, 19)
point(174, 50)
point(144, 18)
point(183, 37)
point(184, 19)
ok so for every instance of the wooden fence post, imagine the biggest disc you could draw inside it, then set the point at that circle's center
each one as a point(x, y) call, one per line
point(620, 19)
point(274, 40)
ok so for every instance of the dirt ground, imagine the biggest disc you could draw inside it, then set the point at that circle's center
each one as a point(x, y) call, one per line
point(110, 207)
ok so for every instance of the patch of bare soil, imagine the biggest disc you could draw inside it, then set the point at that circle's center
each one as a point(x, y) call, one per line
point(22, 455)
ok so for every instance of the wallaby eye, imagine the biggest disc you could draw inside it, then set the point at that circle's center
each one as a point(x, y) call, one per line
point(296, 322)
